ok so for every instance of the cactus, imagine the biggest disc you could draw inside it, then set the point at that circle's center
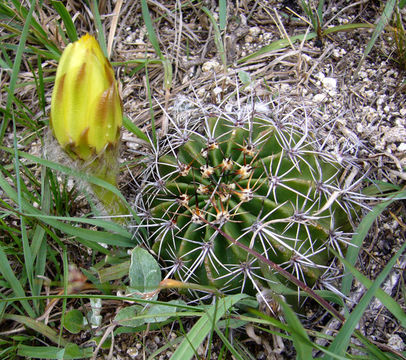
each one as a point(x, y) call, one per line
point(261, 181)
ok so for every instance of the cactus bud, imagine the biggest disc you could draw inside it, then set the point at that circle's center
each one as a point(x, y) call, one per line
point(86, 110)
point(86, 114)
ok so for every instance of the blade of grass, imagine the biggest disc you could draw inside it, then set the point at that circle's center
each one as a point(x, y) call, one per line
point(300, 338)
point(16, 68)
point(168, 75)
point(65, 291)
point(14, 283)
point(320, 12)
point(37, 326)
point(203, 326)
point(385, 17)
point(18, 17)
point(373, 351)
point(222, 14)
point(381, 295)
point(130, 126)
point(359, 236)
point(66, 18)
point(70, 351)
point(99, 27)
point(28, 257)
point(282, 43)
point(90, 235)
point(217, 37)
point(76, 174)
point(150, 28)
point(227, 344)
point(342, 339)
point(151, 109)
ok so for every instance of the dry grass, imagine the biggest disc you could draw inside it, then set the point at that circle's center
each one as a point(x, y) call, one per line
point(363, 117)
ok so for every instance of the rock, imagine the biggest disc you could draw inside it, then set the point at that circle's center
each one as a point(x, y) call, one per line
point(211, 65)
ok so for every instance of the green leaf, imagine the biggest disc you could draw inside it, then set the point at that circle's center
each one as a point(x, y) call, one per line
point(136, 315)
point(223, 14)
point(37, 326)
point(129, 316)
point(381, 295)
point(144, 273)
point(16, 68)
point(300, 338)
point(73, 321)
point(99, 26)
point(66, 18)
point(160, 313)
point(342, 339)
point(71, 351)
point(114, 272)
point(150, 28)
point(8, 274)
point(187, 349)
point(130, 126)
point(386, 16)
point(217, 37)
point(244, 77)
point(359, 236)
point(276, 45)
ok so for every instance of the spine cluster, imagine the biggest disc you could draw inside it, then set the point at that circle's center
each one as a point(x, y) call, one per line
point(263, 183)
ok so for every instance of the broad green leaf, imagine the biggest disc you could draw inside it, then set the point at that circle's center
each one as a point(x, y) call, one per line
point(244, 77)
point(144, 273)
point(136, 315)
point(160, 313)
point(73, 321)
point(129, 316)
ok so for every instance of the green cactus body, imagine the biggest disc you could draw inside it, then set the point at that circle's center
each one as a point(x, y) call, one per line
point(261, 183)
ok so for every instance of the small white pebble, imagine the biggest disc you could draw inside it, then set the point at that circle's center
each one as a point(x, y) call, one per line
point(319, 98)
point(211, 65)
point(254, 31)
point(402, 147)
point(217, 90)
point(396, 342)
point(360, 128)
point(329, 83)
point(132, 352)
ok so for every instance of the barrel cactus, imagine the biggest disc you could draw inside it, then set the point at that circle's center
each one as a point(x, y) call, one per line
point(261, 181)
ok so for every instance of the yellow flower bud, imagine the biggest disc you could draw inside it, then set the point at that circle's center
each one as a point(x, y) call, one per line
point(86, 116)
point(86, 109)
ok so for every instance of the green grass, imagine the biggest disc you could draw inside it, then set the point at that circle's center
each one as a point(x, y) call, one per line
point(43, 228)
